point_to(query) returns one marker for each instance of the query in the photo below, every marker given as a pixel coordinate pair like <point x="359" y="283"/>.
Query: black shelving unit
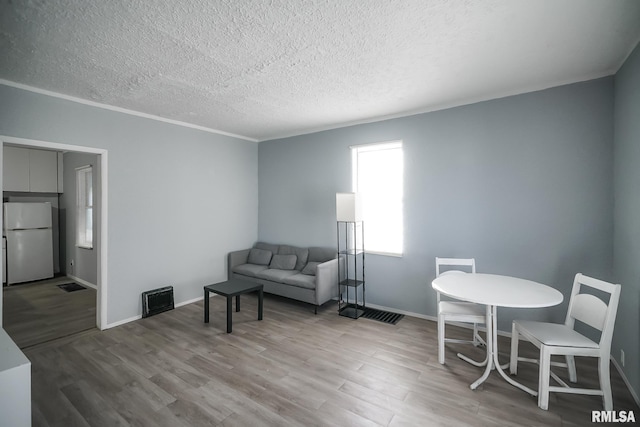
<point x="351" y="280"/>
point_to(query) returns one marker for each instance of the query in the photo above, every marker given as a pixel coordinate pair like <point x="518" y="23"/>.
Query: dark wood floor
<point x="38" y="312"/>
<point x="291" y="369"/>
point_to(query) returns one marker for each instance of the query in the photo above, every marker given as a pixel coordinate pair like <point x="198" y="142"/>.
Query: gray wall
<point x="85" y="261"/>
<point x="524" y="184"/>
<point x="626" y="215"/>
<point x="179" y="199"/>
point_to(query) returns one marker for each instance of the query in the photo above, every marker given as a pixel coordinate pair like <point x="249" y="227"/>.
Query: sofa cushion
<point x="283" y="262"/>
<point x="310" y="268"/>
<point x="301" y="281"/>
<point x="250" y="270"/>
<point x="301" y="253"/>
<point x="259" y="256"/>
<point x="276" y="275"/>
<point x="267" y="247"/>
<point x="322" y="254"/>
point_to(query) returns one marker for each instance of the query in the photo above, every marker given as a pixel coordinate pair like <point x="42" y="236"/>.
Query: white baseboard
<point x="406" y="313"/>
<point x="626" y="381"/>
<point x="180" y="304"/>
<point x="433" y="318"/>
<point x="123" y="321"/>
<point x="82" y="281"/>
<point x="139" y="316"/>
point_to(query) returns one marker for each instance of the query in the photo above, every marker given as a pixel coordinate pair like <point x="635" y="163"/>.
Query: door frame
<point x="102" y="154"/>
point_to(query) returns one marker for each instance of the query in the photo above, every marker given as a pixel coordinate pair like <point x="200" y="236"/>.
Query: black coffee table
<point x="232" y="288"/>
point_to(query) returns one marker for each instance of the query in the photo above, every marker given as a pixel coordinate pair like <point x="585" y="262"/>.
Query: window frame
<point x="84" y="207"/>
<point x="379" y="146"/>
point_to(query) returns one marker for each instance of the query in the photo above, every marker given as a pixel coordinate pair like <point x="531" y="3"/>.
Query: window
<point x="378" y="171"/>
<point x="84" y="207"/>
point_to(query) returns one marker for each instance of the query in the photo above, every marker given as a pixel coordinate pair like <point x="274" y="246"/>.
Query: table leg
<point x="229" y="313"/>
<point x="497" y="363"/>
<point x="237" y="302"/>
<point x="206" y="306"/>
<point x="490" y="348"/>
<point x="474" y="362"/>
<point x="260" y="295"/>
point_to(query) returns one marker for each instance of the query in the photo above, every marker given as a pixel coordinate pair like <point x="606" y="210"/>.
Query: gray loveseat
<point x="304" y="274"/>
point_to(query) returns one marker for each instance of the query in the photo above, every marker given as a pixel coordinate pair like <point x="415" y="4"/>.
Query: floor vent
<point x="157" y="300"/>
<point x="382" y="316"/>
<point x="71" y="287"/>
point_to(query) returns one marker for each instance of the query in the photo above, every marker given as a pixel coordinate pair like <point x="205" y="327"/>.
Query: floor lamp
<point x="350" y="234"/>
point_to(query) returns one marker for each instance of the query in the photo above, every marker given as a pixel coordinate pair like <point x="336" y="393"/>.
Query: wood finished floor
<point x="291" y="369"/>
<point x="37" y="312"/>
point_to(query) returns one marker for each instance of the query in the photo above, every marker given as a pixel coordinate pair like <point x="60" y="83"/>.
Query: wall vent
<point x="157" y="300"/>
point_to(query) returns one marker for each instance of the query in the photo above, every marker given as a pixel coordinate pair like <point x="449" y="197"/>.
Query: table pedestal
<point x="491" y="362"/>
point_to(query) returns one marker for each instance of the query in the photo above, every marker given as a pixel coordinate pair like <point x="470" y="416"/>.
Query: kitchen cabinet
<point x="15" y="168"/>
<point x="31" y="170"/>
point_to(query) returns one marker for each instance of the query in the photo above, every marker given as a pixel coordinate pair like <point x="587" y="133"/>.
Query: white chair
<point x="458" y="311"/>
<point x="562" y="339"/>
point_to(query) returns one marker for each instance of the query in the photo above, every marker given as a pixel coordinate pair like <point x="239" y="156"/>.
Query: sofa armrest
<point x="236" y="258"/>
<point x="326" y="281"/>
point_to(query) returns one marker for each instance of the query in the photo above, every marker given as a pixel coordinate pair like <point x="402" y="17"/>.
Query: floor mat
<point x="382" y="316"/>
<point x="71" y="287"/>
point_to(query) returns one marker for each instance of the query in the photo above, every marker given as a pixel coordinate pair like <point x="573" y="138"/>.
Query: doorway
<point x="100" y="247"/>
<point x="45" y="310"/>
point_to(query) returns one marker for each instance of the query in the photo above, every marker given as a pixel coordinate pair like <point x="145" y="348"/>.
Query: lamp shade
<point x="348" y="207"/>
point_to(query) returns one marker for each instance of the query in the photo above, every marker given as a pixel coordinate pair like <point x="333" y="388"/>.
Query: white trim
<point x="81" y="206"/>
<point x="626" y="381"/>
<point x="433" y="318"/>
<point x="101" y="303"/>
<point x="122" y="322"/>
<point x="50" y="145"/>
<point x="191" y="301"/>
<point x="139" y="316"/>
<point x="82" y="281"/>
<point x="103" y="233"/>
<point x="391" y="254"/>
<point x="406" y="313"/>
<point x="378" y="146"/>
<point x="121" y="110"/>
<point x="3" y="260"/>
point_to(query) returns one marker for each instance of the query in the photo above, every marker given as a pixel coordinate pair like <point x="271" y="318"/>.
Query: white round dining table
<point x="496" y="291"/>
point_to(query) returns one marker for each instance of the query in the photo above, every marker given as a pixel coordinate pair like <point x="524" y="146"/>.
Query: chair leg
<point x="513" y="363"/>
<point x="476" y="342"/>
<point x="605" y="382"/>
<point x="571" y="367"/>
<point x="441" y="340"/>
<point x="543" y="378"/>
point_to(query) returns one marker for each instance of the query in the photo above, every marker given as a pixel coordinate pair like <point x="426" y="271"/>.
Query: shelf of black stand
<point x="352" y="252"/>
<point x="352" y="310"/>
<point x="351" y="286"/>
<point x="352" y="283"/>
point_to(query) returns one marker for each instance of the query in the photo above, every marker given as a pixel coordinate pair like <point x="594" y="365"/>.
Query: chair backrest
<point x="468" y="263"/>
<point x="592" y="310"/>
<point x="455" y="262"/>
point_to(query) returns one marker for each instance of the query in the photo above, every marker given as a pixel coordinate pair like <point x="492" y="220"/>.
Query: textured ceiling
<point x="266" y="69"/>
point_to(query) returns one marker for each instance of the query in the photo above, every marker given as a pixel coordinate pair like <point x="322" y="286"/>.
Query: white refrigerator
<point x="27" y="227"/>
